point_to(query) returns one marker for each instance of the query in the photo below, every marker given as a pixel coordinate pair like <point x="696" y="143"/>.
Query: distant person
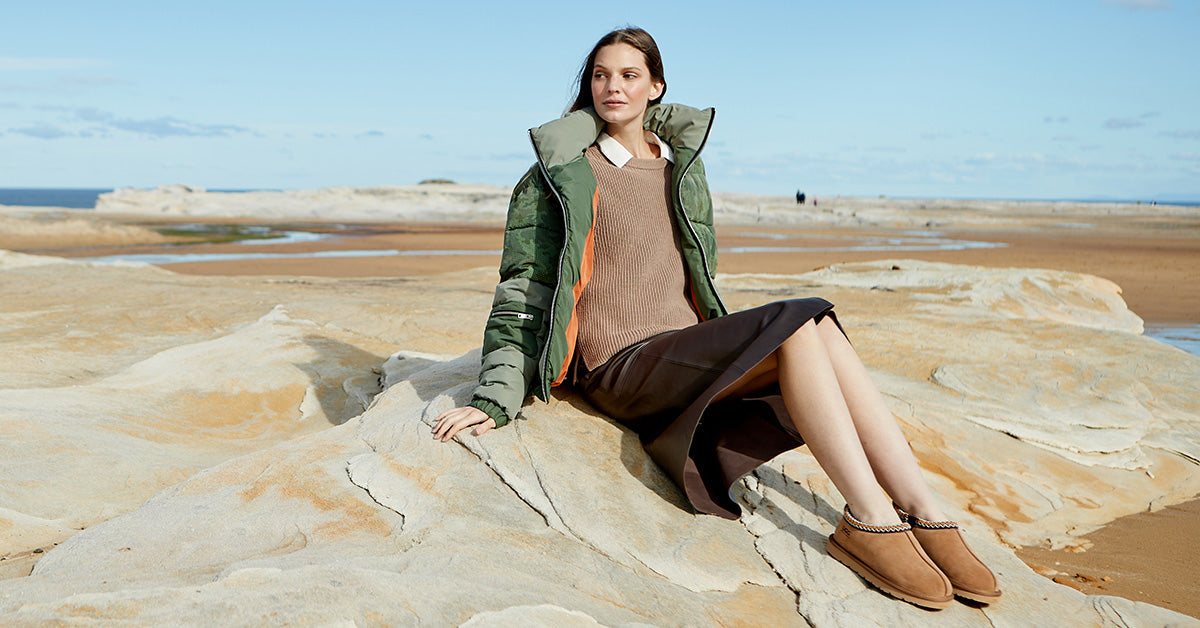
<point x="607" y="284"/>
<point x="814" y="201"/>
<point x="799" y="197"/>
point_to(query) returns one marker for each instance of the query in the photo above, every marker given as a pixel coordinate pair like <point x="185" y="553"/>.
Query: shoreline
<point x="1138" y="557"/>
<point x="1152" y="259"/>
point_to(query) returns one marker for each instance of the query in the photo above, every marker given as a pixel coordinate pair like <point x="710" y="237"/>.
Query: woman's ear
<point x="656" y="89"/>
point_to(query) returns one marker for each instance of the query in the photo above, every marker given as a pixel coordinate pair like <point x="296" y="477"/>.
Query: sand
<point x="1149" y="557"/>
<point x="1153" y="260"/>
<point x="1140" y="557"/>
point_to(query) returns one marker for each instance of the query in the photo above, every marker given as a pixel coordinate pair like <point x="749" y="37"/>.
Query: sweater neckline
<point x="655" y="163"/>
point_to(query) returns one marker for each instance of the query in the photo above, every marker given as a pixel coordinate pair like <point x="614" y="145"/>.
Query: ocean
<point x="84" y="198"/>
<point x="74" y="198"/>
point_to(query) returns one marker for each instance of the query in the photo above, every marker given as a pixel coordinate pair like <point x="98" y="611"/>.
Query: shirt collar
<point x="619" y="155"/>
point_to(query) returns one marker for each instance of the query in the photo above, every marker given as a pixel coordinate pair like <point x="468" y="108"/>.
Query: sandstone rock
<point x="46" y="230"/>
<point x="431" y="202"/>
<point x="272" y="510"/>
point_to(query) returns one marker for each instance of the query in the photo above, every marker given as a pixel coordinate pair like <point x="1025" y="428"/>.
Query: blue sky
<point x="1064" y="99"/>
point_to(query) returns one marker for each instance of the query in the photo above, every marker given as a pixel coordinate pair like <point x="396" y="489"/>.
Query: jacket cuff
<point x="496" y="412"/>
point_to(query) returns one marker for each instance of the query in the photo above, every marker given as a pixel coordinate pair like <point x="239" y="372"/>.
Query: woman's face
<point x="621" y="84"/>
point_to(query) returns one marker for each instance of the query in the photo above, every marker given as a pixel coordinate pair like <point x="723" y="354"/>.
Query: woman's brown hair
<point x="633" y="36"/>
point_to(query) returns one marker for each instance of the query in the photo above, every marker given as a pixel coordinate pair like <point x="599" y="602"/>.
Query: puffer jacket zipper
<point x="544" y="360"/>
<point x="691" y="229"/>
<point x="521" y="315"/>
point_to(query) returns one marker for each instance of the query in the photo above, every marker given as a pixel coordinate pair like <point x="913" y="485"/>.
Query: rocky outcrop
<point x="489" y="203"/>
<point x="428" y="202"/>
<point x="735" y="208"/>
<point x="64" y="228"/>
<point x="251" y="451"/>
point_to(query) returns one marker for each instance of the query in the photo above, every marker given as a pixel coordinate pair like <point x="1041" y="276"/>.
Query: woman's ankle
<point x="928" y="511"/>
<point x="874" y="516"/>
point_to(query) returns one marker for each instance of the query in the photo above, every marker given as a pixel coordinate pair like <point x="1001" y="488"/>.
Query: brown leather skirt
<point x="663" y="389"/>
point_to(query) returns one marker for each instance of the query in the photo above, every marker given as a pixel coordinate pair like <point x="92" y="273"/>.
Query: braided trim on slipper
<point x="924" y="523"/>
<point x="866" y="527"/>
<point x="932" y="525"/>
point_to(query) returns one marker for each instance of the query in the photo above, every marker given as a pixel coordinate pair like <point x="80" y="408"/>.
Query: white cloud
<point x="1123" y="123"/>
<point x="101" y="122"/>
<point x="163" y="126"/>
<point x="84" y="80"/>
<point x="1025" y="162"/>
<point x="45" y="64"/>
<point x="1139" y="5"/>
<point x="981" y="159"/>
<point x="167" y="126"/>
<point x="42" y="131"/>
<point x="62" y="84"/>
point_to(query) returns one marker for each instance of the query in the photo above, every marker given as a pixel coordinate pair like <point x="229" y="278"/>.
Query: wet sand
<point x="1153" y="260"/>
<point x="1149" y="557"/>
<point x="1142" y="557"/>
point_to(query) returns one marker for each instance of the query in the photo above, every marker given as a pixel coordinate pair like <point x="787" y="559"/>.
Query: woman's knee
<point x="830" y="331"/>
<point x="804" y="335"/>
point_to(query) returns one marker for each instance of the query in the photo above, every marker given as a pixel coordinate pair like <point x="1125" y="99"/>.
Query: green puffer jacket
<point x="530" y="336"/>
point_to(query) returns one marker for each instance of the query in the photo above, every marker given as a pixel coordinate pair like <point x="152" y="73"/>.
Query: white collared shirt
<point x="619" y="155"/>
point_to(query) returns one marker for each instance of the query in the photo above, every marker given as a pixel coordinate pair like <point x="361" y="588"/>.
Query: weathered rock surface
<point x="430" y="202"/>
<point x="52" y="228"/>
<point x="223" y="443"/>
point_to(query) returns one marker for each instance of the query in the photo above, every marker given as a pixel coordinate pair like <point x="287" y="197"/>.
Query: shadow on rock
<point x="342" y="398"/>
<point x="633" y="455"/>
<point x="785" y="488"/>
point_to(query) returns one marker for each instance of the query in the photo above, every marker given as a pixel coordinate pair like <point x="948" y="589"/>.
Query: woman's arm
<point x="515" y="331"/>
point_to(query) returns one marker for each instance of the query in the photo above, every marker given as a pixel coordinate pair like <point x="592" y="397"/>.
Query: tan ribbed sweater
<point x="639" y="286"/>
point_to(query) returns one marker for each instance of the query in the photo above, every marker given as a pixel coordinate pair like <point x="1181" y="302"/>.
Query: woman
<point x="606" y="278"/>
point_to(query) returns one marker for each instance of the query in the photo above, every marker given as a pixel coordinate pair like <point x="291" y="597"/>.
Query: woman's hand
<point x="454" y="421"/>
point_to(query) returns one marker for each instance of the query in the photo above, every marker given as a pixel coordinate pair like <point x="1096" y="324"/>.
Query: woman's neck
<point x="633" y="138"/>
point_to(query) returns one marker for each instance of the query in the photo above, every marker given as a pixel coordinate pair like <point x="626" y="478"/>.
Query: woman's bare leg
<point x="811" y="392"/>
<point x="856" y="440"/>
<point x="845" y="422"/>
<point x="888" y="451"/>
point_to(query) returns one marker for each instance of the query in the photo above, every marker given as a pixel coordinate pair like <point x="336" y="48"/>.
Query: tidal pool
<point x="163" y="259"/>
<point x="1186" y="337"/>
